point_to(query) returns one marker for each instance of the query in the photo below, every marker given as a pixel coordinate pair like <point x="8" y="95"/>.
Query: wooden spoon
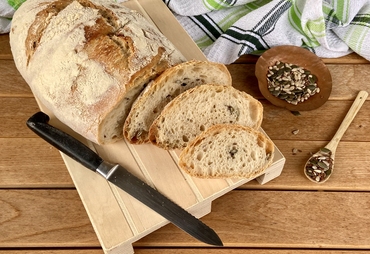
<point x="320" y="165"/>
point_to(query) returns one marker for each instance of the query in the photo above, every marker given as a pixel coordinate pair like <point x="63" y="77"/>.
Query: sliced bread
<point x="227" y="151"/>
<point x="167" y="86"/>
<point x="199" y="108"/>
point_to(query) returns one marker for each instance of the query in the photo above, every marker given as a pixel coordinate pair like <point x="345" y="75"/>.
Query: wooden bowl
<point x="303" y="58"/>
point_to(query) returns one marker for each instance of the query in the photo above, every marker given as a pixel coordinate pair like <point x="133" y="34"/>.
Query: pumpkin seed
<point x="283" y="96"/>
<point x="325" y="150"/>
<point x="311" y="87"/>
<point x="322" y="165"/>
<point x="328" y="172"/>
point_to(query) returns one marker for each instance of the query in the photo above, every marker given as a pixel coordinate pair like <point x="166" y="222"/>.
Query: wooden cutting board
<point x="117" y="218"/>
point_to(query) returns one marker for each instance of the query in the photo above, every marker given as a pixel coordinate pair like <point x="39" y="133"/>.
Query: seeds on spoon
<point x="291" y="82"/>
<point x="320" y="165"/>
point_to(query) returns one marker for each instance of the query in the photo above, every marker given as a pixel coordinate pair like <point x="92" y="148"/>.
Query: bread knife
<point x="123" y="179"/>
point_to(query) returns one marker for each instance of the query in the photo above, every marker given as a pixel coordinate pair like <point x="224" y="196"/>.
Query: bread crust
<point x="189" y="164"/>
<point x="166" y="87"/>
<point x="88" y="60"/>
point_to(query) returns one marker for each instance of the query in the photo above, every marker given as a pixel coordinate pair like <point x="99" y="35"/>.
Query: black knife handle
<point x="64" y="142"/>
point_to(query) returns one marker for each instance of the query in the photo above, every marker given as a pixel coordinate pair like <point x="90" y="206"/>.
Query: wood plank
<point x="31" y="163"/>
<point x="352" y="58"/>
<point x="56" y="218"/>
<point x="351" y="170"/>
<point x="241" y="251"/>
<point x="52" y="251"/>
<point x="18" y="168"/>
<point x="11" y="82"/>
<point x="244" y="79"/>
<point x="282" y="219"/>
<point x="320" y="124"/>
<point x="348" y="80"/>
<point x="14" y="112"/>
<point x="5" y="52"/>
<point x="189" y="251"/>
<point x="44" y="218"/>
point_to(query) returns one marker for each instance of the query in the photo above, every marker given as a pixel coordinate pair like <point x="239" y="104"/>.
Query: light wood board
<point x="117" y="218"/>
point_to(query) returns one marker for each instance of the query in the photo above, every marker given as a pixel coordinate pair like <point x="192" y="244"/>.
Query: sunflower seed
<point x="295" y="132"/>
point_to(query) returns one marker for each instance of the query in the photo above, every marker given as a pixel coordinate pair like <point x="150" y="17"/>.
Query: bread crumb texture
<point x="87" y="60"/>
<point x="197" y="109"/>
<point x="227" y="151"/>
<point x="165" y="88"/>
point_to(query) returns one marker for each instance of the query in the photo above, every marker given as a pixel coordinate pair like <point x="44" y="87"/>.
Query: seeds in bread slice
<point x="167" y="86"/>
<point x="199" y="108"/>
<point x="228" y="151"/>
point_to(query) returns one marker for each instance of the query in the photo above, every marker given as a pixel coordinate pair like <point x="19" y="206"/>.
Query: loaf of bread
<point x="227" y="151"/>
<point x="199" y="108"/>
<point x="88" y="60"/>
<point x="163" y="89"/>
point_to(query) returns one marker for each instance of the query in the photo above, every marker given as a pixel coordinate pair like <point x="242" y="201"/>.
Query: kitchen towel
<point x="7" y="9"/>
<point x="227" y="29"/>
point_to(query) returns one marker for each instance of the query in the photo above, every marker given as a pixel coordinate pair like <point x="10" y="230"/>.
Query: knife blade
<point x="122" y="178"/>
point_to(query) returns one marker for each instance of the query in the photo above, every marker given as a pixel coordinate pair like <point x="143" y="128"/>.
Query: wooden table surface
<point x="41" y="211"/>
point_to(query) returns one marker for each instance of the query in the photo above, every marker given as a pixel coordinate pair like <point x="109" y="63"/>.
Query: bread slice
<point x="228" y="151"/>
<point x="167" y="86"/>
<point x="199" y="108"/>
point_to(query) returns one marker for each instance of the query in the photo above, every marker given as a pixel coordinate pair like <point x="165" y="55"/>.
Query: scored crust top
<point x="82" y="57"/>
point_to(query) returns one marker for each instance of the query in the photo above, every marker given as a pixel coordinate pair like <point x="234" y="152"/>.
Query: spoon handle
<point x="359" y="101"/>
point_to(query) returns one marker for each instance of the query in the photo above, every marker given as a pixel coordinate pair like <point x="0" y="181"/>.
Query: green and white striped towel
<point x="7" y="9"/>
<point x="227" y="29"/>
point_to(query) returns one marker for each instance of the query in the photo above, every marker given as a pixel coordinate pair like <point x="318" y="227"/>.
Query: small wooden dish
<point x="303" y="58"/>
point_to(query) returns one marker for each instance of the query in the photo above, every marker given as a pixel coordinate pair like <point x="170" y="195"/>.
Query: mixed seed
<point x="291" y="82"/>
<point x="295" y="151"/>
<point x="319" y="167"/>
<point x="295" y="131"/>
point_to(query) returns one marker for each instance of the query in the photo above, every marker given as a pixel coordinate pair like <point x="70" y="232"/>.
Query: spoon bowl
<point x="319" y="167"/>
